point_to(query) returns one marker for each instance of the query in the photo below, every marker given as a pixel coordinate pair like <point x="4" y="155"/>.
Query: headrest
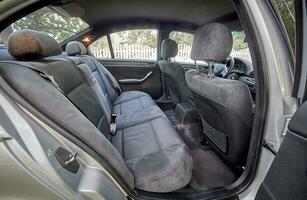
<point x="212" y="42"/>
<point x="169" y="48"/>
<point x="75" y="48"/>
<point x="29" y="44"/>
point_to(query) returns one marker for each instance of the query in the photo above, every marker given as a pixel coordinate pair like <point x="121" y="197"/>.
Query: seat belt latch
<point x="113" y="124"/>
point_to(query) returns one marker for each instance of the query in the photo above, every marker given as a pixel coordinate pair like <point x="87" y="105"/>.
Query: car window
<point x="130" y="44"/>
<point x="286" y="9"/>
<point x="135" y="44"/>
<point x="100" y="48"/>
<point x="184" y="41"/>
<point x="240" y="48"/>
<point x="48" y="20"/>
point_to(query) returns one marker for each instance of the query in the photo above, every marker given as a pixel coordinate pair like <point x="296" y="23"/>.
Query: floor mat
<point x="209" y="171"/>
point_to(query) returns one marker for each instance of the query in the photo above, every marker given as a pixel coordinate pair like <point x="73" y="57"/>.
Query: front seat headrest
<point x="212" y="42"/>
<point x="30" y="44"/>
<point x="169" y="48"/>
<point x="75" y="48"/>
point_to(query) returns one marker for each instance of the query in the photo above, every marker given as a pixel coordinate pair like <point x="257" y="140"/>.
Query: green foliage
<point x="238" y="41"/>
<point x="182" y="38"/>
<point x="139" y="36"/>
<point x="45" y="19"/>
<point x="286" y="10"/>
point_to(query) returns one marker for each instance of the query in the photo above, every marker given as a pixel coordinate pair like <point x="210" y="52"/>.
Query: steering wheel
<point x="230" y="63"/>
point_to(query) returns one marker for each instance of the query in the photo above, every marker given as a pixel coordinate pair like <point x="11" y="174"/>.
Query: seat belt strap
<point x="87" y="76"/>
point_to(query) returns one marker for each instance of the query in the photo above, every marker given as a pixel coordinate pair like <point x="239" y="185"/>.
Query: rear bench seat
<point x="131" y="107"/>
<point x="148" y="155"/>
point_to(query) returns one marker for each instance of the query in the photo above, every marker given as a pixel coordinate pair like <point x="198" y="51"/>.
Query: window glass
<point x="240" y="48"/>
<point x="135" y="44"/>
<point x="286" y="9"/>
<point x="100" y="48"/>
<point x="48" y="20"/>
<point x="184" y="41"/>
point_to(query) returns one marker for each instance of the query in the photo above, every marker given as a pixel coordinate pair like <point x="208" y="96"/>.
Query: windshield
<point x="48" y="20"/>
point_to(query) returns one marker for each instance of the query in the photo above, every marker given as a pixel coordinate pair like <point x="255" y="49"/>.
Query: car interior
<point x="160" y="125"/>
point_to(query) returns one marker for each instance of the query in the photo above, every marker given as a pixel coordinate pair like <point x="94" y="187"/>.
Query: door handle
<point x="133" y="81"/>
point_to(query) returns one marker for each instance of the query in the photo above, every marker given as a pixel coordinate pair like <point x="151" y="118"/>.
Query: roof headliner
<point x="107" y="15"/>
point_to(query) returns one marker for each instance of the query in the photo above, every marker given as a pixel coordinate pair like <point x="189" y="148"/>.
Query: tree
<point x="58" y="26"/>
<point x="4" y="35"/>
<point x="182" y="38"/>
<point x="139" y="36"/>
<point x="238" y="41"/>
<point x="286" y="10"/>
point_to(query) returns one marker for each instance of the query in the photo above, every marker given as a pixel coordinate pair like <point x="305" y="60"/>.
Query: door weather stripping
<point x="266" y="144"/>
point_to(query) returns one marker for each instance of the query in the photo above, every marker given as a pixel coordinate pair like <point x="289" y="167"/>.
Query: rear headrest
<point x="169" y="48"/>
<point x="75" y="48"/>
<point x="212" y="42"/>
<point x="29" y="44"/>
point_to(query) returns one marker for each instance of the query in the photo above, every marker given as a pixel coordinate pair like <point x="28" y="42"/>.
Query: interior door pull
<point x="133" y="81"/>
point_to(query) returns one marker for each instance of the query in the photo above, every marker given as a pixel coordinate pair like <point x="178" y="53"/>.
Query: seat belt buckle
<point x="113" y="128"/>
<point x="113" y="124"/>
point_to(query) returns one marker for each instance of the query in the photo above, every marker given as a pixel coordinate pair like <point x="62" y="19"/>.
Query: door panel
<point x="287" y="176"/>
<point x="136" y="70"/>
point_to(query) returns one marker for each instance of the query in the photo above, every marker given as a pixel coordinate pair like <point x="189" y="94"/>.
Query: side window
<point x="286" y="10"/>
<point x="135" y="44"/>
<point x="100" y="48"/>
<point x="184" y="41"/>
<point x="59" y="26"/>
<point x="240" y="48"/>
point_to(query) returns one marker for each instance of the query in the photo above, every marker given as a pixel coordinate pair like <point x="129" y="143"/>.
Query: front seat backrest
<point x="173" y="73"/>
<point x="225" y="105"/>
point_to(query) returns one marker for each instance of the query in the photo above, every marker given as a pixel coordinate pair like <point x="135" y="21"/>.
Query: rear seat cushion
<point x="49" y="101"/>
<point x="150" y="155"/>
<point x="138" y="117"/>
<point x="132" y="101"/>
<point x="125" y="102"/>
<point x="157" y="156"/>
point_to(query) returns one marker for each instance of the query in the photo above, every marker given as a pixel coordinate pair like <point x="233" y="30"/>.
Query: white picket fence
<point x="134" y="51"/>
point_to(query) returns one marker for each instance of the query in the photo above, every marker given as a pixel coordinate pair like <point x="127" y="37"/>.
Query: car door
<point x="287" y="176"/>
<point x="131" y="57"/>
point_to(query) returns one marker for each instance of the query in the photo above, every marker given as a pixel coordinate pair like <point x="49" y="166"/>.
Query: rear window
<point x="138" y="44"/>
<point x="60" y="27"/>
<point x="184" y="40"/>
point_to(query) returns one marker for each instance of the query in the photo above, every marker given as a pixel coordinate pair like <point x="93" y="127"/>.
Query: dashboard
<point x="242" y="70"/>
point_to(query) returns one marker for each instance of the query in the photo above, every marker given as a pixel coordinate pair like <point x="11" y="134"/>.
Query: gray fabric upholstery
<point x="48" y="100"/>
<point x="226" y="109"/>
<point x="131" y="102"/>
<point x="173" y="73"/>
<point x="145" y="152"/>
<point x="169" y="48"/>
<point x="225" y="105"/>
<point x="139" y="119"/>
<point x="29" y="44"/>
<point x="174" y="81"/>
<point x="212" y="42"/>
<point x="75" y="48"/>
<point x="156" y="154"/>
<point x="225" y="91"/>
<point x="134" y="118"/>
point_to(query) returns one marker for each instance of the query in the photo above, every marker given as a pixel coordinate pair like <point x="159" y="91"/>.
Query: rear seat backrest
<point x="155" y="158"/>
<point x="32" y="47"/>
<point x="105" y="79"/>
